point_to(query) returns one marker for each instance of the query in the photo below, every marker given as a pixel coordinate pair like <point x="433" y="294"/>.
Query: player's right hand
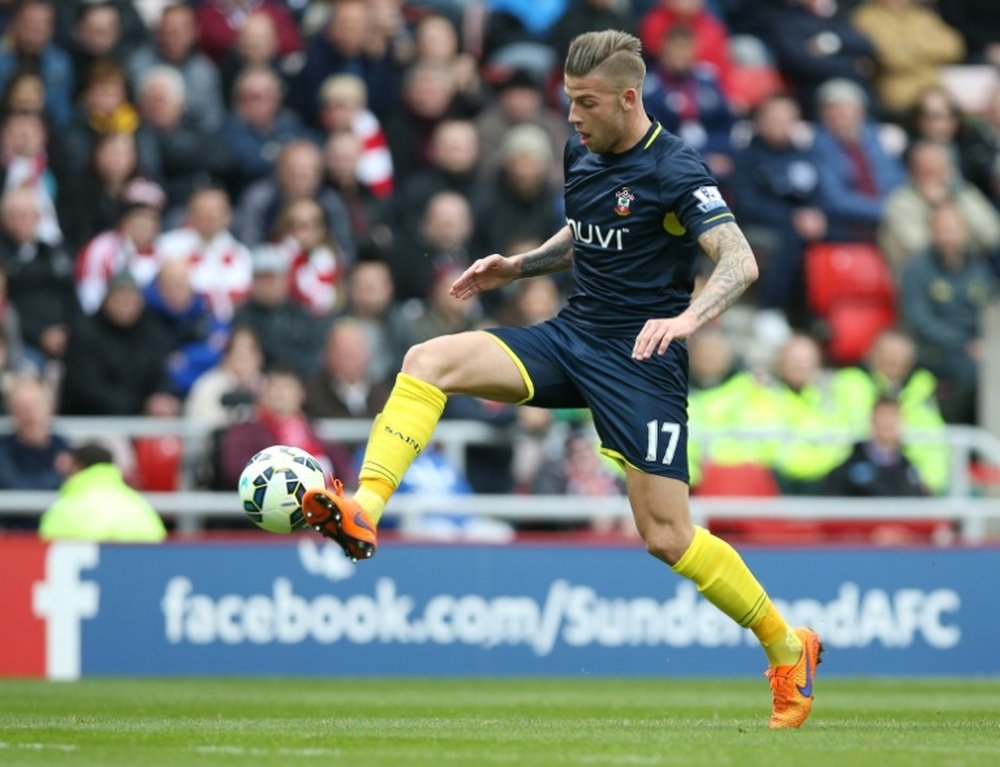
<point x="488" y="273"/>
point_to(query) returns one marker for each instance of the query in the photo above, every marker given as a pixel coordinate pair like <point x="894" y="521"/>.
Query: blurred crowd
<point x="243" y="212"/>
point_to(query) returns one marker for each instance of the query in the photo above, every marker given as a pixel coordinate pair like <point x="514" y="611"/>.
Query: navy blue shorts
<point x="639" y="408"/>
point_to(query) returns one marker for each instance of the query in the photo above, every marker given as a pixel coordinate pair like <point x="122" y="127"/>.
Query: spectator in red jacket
<point x="221" y="20"/>
<point x="710" y="36"/>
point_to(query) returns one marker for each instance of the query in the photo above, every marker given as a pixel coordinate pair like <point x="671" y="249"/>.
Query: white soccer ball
<point x="273" y="483"/>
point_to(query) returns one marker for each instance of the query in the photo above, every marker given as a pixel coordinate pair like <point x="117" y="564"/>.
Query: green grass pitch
<point x="410" y="723"/>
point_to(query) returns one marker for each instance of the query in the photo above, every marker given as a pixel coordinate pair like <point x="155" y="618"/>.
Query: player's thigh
<point x="470" y="363"/>
<point x="662" y="513"/>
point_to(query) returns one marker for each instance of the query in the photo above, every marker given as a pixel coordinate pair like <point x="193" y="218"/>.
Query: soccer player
<point x="639" y="204"/>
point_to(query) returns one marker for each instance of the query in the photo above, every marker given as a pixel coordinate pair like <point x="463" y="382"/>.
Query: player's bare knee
<point x="666" y="542"/>
<point x="430" y="361"/>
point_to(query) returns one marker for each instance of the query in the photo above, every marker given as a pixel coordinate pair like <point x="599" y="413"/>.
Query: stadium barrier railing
<point x="190" y="508"/>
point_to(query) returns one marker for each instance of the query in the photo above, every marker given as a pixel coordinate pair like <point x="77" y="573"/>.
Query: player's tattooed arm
<point x="554" y="255"/>
<point x="735" y="270"/>
<point x="494" y="271"/>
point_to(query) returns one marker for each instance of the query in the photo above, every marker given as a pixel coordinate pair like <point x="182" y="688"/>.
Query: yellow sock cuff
<point x="370" y="497"/>
<point x="427" y="393"/>
<point x="400" y="433"/>
<point x="723" y="578"/>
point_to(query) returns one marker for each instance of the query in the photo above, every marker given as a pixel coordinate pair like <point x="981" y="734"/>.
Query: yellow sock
<point x="781" y="645"/>
<point x="400" y="433"/>
<point x="723" y="578"/>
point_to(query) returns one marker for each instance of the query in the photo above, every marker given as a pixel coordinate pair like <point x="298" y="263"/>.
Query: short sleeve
<point x="690" y="192"/>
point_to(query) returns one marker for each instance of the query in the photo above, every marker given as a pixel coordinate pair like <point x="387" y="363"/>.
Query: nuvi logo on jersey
<point x="623" y="201"/>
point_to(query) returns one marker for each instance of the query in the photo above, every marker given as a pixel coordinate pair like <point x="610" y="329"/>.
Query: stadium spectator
<point x="39" y="277"/>
<point x="523" y="203"/>
<point x="685" y="96"/>
<point x="370" y="216"/>
<point x="776" y="192"/>
<point x="288" y="334"/>
<point x="936" y="117"/>
<point x="723" y="395"/>
<point x="942" y="293"/>
<point x="31" y="454"/>
<point x="24" y="165"/>
<point x="933" y="180"/>
<point x="445" y="239"/>
<point x="455" y="156"/>
<point x="134" y="31"/>
<point x="234" y="382"/>
<point x="890" y="371"/>
<point x="12" y="359"/>
<point x="442" y="313"/>
<point x="370" y="302"/>
<point x="194" y="336"/>
<point x="189" y="156"/>
<point x="877" y="466"/>
<point x="427" y="100"/>
<point x="800" y="401"/>
<point x="117" y="359"/>
<point x="315" y="263"/>
<point x="130" y="246"/>
<point x="104" y="108"/>
<point x="579" y="470"/>
<point x="175" y="45"/>
<point x="905" y="70"/>
<point x="350" y="42"/>
<point x="95" y="504"/>
<point x="278" y="419"/>
<point x="24" y="92"/>
<point x="28" y="46"/>
<point x="814" y="42"/>
<point x="435" y="38"/>
<point x="97" y="36"/>
<point x="90" y="202"/>
<point x="298" y="175"/>
<point x="711" y="41"/>
<point x="344" y="386"/>
<point x="343" y="103"/>
<point x="258" y="127"/>
<point x="590" y="16"/>
<point x="220" y="265"/>
<point x="519" y="99"/>
<point x="221" y="20"/>
<point x="981" y="163"/>
<point x="256" y="46"/>
<point x="856" y="173"/>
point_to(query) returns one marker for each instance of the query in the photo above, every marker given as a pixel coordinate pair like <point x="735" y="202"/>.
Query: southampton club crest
<point x="623" y="201"/>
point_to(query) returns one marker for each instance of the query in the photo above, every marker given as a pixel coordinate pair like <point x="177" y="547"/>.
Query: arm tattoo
<point x="555" y="255"/>
<point x="735" y="269"/>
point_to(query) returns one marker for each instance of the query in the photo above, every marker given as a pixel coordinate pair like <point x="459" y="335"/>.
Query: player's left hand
<point x="656" y="335"/>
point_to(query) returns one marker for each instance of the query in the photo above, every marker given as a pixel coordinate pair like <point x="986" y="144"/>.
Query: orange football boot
<point x="792" y="686"/>
<point x="340" y="519"/>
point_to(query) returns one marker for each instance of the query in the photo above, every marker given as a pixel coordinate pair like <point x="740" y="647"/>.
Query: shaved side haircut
<point x="611" y="54"/>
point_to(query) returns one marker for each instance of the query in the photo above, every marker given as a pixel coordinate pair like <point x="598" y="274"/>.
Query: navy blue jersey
<point x="635" y="218"/>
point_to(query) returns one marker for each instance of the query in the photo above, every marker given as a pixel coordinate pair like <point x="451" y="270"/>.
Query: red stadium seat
<point x="158" y="463"/>
<point x="747" y="85"/>
<point x="850" y="286"/>
<point x="853" y="327"/>
<point x="744" y="479"/>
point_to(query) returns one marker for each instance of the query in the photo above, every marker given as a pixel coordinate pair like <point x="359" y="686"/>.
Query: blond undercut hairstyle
<point x="610" y="53"/>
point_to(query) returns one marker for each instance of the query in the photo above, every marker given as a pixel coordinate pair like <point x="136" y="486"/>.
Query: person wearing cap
<point x="519" y="99"/>
<point x="288" y="334"/>
<point x="524" y="204"/>
<point x="116" y="360"/>
<point x="856" y="172"/>
<point x="95" y="504"/>
<point x="130" y="246"/>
